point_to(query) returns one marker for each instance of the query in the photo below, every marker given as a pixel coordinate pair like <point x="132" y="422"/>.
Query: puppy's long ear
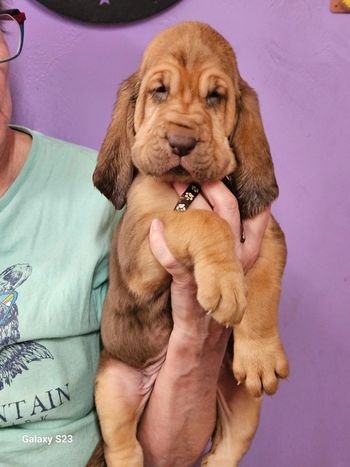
<point x="254" y="178"/>
<point x="114" y="170"/>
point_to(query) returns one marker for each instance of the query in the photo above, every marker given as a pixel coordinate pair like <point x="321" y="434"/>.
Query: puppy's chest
<point x="147" y="195"/>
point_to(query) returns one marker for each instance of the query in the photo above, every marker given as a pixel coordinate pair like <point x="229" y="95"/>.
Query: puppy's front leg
<point x="204" y="243"/>
<point x="259" y="358"/>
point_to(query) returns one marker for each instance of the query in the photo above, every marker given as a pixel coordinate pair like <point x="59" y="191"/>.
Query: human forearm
<point x="181" y="412"/>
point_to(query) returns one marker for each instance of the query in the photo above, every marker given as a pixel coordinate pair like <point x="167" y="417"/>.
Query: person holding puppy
<point x="55" y="231"/>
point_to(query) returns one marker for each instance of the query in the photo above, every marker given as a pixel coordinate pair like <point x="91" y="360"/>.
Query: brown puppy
<point x="187" y="115"/>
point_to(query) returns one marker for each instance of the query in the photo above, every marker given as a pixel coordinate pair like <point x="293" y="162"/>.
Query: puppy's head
<point x="187" y="115"/>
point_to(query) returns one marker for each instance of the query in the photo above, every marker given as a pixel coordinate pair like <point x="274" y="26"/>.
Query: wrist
<point x="197" y="343"/>
<point x="200" y="330"/>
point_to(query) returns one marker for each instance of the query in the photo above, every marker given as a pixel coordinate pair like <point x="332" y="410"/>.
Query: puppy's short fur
<point x="187" y="115"/>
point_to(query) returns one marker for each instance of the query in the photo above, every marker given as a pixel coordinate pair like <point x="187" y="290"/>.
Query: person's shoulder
<point x="65" y="149"/>
<point x="71" y="167"/>
<point x="68" y="168"/>
<point x="58" y="152"/>
<point x="69" y="162"/>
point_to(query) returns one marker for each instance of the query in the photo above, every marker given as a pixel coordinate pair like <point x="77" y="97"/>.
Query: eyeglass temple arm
<point x="19" y="16"/>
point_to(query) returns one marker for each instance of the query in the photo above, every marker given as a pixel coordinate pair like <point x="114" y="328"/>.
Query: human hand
<point x="187" y="313"/>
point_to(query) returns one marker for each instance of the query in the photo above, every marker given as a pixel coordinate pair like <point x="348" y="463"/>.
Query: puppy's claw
<point x="209" y="312"/>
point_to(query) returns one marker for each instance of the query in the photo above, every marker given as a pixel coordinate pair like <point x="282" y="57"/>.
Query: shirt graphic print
<point x="15" y="356"/>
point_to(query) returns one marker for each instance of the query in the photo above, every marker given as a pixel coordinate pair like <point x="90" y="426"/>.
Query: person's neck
<point x="12" y="157"/>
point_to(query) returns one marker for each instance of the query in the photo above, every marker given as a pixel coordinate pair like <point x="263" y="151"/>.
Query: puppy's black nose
<point x="181" y="145"/>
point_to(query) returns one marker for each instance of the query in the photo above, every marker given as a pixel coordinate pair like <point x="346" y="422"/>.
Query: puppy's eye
<point x="214" y="98"/>
<point x="160" y="93"/>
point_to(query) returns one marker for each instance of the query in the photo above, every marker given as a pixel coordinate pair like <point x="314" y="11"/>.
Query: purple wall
<point x="297" y="56"/>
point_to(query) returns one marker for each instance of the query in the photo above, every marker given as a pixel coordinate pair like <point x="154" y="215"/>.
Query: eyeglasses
<point x="11" y="39"/>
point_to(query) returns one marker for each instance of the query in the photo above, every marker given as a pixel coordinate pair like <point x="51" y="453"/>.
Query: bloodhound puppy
<point x="187" y="115"/>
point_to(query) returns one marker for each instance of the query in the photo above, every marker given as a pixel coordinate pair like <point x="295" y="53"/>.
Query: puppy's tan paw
<point x="222" y="294"/>
<point x="259" y="363"/>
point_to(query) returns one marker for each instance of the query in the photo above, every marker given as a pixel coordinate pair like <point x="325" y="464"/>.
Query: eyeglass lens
<point x="10" y="39"/>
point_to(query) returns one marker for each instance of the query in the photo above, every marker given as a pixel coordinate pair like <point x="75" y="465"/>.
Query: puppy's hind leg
<point x="121" y="395"/>
<point x="97" y="458"/>
<point x="237" y="420"/>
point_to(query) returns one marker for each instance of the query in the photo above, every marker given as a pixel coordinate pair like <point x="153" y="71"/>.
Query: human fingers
<point x="254" y="230"/>
<point x="255" y="227"/>
<point x="224" y="204"/>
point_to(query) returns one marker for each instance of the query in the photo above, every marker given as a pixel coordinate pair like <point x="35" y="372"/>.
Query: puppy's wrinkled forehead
<point x="190" y="45"/>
